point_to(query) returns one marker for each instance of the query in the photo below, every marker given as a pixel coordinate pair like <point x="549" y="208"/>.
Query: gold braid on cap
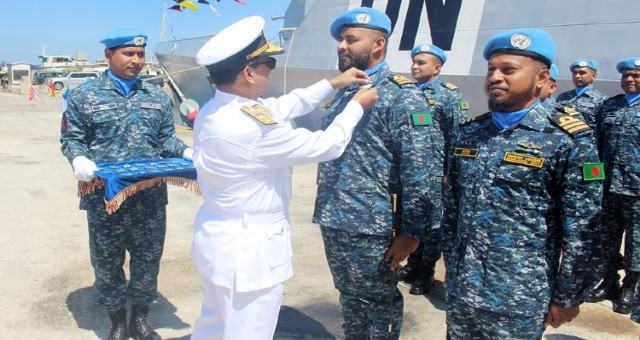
<point x="263" y="47"/>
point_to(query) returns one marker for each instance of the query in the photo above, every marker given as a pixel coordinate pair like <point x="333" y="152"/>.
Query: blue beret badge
<point x="138" y="41"/>
<point x="520" y="41"/>
<point x="363" y="18"/>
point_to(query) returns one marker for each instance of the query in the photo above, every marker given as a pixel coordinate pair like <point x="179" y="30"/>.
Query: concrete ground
<point x="47" y="280"/>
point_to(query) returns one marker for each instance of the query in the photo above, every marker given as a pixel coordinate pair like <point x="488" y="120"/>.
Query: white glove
<point x="83" y="168"/>
<point x="188" y="154"/>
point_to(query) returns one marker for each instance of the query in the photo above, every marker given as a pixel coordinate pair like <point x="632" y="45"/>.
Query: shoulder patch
<point x="401" y="80"/>
<point x="473" y="119"/>
<point x="259" y="112"/>
<point x="570" y="124"/>
<point x="449" y="86"/>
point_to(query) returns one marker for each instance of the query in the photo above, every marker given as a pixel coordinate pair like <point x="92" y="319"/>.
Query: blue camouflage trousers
<point x="365" y="282"/>
<point x="621" y="215"/>
<point x="635" y="310"/>
<point x="137" y="228"/>
<point x="466" y="323"/>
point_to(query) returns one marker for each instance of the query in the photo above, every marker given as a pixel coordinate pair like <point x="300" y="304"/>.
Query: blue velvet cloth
<point x="121" y="175"/>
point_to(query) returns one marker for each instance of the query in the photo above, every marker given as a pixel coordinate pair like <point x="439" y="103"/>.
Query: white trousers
<point x="231" y="315"/>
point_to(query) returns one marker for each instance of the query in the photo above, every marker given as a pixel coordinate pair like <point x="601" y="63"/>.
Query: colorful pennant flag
<point x="52" y="89"/>
<point x="240" y="2"/>
<point x="176" y="8"/>
<point x="66" y="92"/>
<point x="189" y="5"/>
<point x="203" y="2"/>
<point x="33" y="93"/>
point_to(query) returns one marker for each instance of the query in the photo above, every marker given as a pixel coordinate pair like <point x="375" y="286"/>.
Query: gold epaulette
<point x="401" y="80"/>
<point x="259" y="112"/>
<point x="569" y="111"/>
<point x="473" y="119"/>
<point x="570" y="124"/>
<point x="449" y="86"/>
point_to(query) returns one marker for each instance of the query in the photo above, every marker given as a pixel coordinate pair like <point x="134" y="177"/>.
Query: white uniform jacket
<point x="241" y="232"/>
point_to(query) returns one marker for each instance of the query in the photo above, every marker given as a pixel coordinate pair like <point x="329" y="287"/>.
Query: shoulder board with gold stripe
<point x="449" y="86"/>
<point x="568" y="110"/>
<point x="401" y="80"/>
<point x="260" y="113"/>
<point x="570" y="124"/>
<point x="473" y="119"/>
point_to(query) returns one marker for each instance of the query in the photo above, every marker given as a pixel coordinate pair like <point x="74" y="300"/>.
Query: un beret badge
<point x="636" y="62"/>
<point x="363" y="18"/>
<point x="582" y="63"/>
<point x="520" y="41"/>
<point x="424" y="48"/>
<point x="138" y="41"/>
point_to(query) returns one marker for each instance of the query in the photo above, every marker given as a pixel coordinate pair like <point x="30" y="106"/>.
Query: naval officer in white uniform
<point x="244" y="148"/>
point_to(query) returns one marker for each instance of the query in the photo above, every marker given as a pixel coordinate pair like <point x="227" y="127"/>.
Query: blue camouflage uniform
<point x="392" y="144"/>
<point x="587" y="104"/>
<point x="619" y="145"/>
<point x="449" y="109"/>
<point x="521" y="225"/>
<point x="105" y="126"/>
<point x="587" y="101"/>
<point x="517" y="198"/>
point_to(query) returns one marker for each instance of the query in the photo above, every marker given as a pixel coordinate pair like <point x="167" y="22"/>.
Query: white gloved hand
<point x="188" y="154"/>
<point x="83" y="168"/>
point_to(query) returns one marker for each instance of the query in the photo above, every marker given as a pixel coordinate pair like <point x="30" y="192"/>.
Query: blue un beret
<point x="124" y="37"/>
<point x="531" y="42"/>
<point x="361" y="17"/>
<point x="590" y="63"/>
<point x="629" y="63"/>
<point x="553" y="72"/>
<point x="429" y="49"/>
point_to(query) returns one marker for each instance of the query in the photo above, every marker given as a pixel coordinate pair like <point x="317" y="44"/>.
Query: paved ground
<point x="46" y="275"/>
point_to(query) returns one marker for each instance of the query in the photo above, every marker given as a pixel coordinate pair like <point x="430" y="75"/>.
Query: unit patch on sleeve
<point x="421" y="118"/>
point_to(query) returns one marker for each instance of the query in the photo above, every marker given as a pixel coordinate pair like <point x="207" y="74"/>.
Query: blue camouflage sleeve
<point x="581" y="265"/>
<point x="414" y="152"/>
<point x="73" y="131"/>
<point x="170" y="145"/>
<point x="451" y="208"/>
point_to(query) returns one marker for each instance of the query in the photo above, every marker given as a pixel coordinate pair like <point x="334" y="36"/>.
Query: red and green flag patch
<point x="593" y="172"/>
<point x="421" y="118"/>
<point x="464" y="105"/>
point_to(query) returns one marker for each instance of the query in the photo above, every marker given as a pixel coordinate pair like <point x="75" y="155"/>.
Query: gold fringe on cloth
<point x="112" y="205"/>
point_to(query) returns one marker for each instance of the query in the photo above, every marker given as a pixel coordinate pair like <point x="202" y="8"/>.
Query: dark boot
<point x="118" y="325"/>
<point x="608" y="289"/>
<point x="409" y="272"/>
<point x="624" y="303"/>
<point x="424" y="282"/>
<point x="139" y="327"/>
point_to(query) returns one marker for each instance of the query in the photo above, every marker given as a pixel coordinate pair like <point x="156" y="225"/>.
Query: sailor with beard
<point x="524" y="187"/>
<point x="392" y="152"/>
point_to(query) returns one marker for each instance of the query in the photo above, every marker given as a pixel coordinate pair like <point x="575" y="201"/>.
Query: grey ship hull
<point x="596" y="29"/>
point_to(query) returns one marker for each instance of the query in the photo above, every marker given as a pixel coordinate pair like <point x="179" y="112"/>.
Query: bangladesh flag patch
<point x="593" y="172"/>
<point x="464" y="105"/>
<point x="421" y="118"/>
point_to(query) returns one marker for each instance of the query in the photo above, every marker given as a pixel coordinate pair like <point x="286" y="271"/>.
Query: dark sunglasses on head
<point x="271" y="63"/>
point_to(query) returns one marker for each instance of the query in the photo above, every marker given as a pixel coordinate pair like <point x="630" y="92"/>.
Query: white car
<point x="73" y="79"/>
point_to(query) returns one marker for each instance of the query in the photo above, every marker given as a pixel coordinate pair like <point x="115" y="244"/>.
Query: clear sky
<point x="69" y="26"/>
